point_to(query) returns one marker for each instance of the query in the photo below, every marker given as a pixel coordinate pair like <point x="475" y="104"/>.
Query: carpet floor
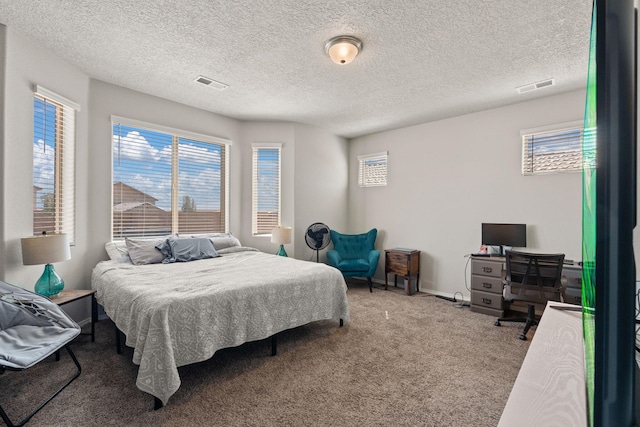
<point x="400" y="361"/>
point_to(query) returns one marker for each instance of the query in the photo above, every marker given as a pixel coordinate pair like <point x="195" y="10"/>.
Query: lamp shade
<point x="45" y="249"/>
<point x="281" y="235"/>
<point x="343" y="49"/>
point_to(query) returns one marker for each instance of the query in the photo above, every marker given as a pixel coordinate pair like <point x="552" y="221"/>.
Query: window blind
<point x="53" y="163"/>
<point x="372" y="169"/>
<point x="563" y="148"/>
<point x="265" y="188"/>
<point x="165" y="183"/>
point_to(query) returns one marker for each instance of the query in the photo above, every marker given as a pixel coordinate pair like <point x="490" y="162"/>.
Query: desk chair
<point x="533" y="279"/>
<point x="32" y="328"/>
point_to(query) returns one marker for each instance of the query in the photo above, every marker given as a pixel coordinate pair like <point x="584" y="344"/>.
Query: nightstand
<point x="402" y="262"/>
<point x="67" y="296"/>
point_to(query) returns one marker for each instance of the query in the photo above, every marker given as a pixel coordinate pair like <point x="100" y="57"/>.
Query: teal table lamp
<point x="46" y="249"/>
<point x="281" y="236"/>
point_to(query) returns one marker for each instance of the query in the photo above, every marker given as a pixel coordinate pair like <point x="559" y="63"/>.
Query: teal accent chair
<point x="354" y="254"/>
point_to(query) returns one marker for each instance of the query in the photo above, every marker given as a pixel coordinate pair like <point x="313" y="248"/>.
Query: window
<point x="53" y="163"/>
<point x="265" y="188"/>
<point x="557" y="148"/>
<point x="372" y="169"/>
<point x="167" y="181"/>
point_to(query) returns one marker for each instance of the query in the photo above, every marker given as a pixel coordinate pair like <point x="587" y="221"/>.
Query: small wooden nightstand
<point x="402" y="262"/>
<point x="67" y="296"/>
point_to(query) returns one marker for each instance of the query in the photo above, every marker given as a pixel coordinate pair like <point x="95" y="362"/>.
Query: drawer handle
<point x="486" y="300"/>
<point x="487" y="269"/>
<point x="578" y="280"/>
<point x="486" y="285"/>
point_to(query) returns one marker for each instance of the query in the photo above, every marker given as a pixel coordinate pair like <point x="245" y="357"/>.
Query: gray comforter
<point x="182" y="313"/>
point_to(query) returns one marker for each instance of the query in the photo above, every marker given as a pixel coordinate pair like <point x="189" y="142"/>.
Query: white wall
<point x="314" y="181"/>
<point x="321" y="184"/>
<point x="106" y="100"/>
<point x="445" y="178"/>
<point x="26" y="65"/>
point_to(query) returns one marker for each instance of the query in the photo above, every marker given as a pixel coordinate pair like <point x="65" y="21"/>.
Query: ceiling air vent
<point x="535" y="86"/>
<point x="211" y="83"/>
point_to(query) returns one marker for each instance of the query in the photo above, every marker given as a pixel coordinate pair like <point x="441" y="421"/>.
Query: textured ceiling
<point x="421" y="60"/>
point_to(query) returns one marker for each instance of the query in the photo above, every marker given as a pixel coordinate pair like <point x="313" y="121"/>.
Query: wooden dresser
<point x="402" y="262"/>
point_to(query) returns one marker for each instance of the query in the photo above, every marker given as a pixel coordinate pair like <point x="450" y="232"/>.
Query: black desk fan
<point x="317" y="237"/>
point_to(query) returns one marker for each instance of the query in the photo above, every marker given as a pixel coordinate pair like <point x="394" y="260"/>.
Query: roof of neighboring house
<point x="126" y="187"/>
<point x="123" y="207"/>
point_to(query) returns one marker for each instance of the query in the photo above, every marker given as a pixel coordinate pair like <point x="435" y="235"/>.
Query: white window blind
<point x="265" y="188"/>
<point x="53" y="163"/>
<point x="372" y="169"/>
<point x="167" y="183"/>
<point x="557" y="148"/>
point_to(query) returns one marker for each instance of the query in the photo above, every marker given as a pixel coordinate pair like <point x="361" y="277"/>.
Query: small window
<point x="265" y="188"/>
<point x="372" y="169"/>
<point x="53" y="163"/>
<point x="555" y="149"/>
<point x="167" y="181"/>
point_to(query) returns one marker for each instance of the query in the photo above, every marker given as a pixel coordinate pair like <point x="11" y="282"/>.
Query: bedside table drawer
<point x="486" y="268"/>
<point x="486" y="284"/>
<point x="487" y="299"/>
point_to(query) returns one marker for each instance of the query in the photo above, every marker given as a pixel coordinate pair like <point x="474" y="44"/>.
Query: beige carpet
<point x="401" y="361"/>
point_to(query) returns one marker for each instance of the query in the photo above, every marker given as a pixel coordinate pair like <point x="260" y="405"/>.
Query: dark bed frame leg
<point x="118" y="334"/>
<point x="157" y="403"/>
<point x="274" y="345"/>
<point x="341" y="323"/>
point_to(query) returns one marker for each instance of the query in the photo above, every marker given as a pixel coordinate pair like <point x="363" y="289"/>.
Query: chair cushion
<point x="354" y="265"/>
<point x="31" y="327"/>
<point x="354" y="246"/>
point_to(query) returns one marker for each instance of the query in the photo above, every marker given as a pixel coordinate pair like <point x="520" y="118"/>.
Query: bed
<point x="180" y="313"/>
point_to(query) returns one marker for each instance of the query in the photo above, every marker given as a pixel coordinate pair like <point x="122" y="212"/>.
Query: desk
<point x="67" y="296"/>
<point x="486" y="285"/>
<point x="403" y="262"/>
<point x="550" y="387"/>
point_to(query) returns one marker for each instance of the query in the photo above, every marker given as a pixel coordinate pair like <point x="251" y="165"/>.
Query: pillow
<point x="143" y="250"/>
<point x="186" y="249"/>
<point x="220" y="240"/>
<point x="117" y="249"/>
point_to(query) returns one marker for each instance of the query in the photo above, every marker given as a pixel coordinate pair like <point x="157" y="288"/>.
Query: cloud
<point x="44" y="161"/>
<point x="198" y="154"/>
<point x="134" y="146"/>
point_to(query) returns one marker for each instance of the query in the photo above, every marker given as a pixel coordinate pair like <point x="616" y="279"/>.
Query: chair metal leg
<point x="4" y="415"/>
<point x="370" y="284"/>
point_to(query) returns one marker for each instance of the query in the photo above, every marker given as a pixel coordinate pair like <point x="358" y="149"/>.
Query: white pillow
<point x="143" y="250"/>
<point x="117" y="249"/>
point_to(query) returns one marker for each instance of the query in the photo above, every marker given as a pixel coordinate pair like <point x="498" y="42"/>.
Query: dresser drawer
<point x="487" y="299"/>
<point x="488" y="311"/>
<point x="486" y="268"/>
<point x="486" y="284"/>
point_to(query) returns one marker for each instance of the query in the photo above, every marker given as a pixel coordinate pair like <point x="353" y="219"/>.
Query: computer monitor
<point x="504" y="235"/>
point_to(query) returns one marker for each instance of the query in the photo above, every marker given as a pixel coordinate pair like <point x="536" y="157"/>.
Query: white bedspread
<point x="182" y="313"/>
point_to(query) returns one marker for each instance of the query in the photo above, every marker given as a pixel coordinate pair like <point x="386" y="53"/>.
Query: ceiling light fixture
<point x="342" y="49"/>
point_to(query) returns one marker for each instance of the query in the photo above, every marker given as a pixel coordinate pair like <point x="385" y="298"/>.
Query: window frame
<point x="176" y="135"/>
<point x="367" y="179"/>
<point x="256" y="230"/>
<point x="574" y="145"/>
<point x="64" y="158"/>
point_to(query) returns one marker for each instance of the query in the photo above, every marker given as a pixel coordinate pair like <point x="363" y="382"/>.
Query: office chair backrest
<point x="534" y="277"/>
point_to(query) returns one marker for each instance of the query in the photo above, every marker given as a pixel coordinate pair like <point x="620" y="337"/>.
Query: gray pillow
<point x="186" y="249"/>
<point x="143" y="250"/>
<point x="220" y="240"/>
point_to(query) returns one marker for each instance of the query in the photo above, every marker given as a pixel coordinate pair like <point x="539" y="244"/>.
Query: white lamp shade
<point x="343" y="53"/>
<point x="281" y="235"/>
<point x="45" y="249"/>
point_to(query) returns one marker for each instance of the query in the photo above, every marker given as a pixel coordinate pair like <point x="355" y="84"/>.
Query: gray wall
<point x="447" y="177"/>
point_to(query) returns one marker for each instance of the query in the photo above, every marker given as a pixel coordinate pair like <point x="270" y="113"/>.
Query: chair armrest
<point x="333" y="258"/>
<point x="374" y="257"/>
